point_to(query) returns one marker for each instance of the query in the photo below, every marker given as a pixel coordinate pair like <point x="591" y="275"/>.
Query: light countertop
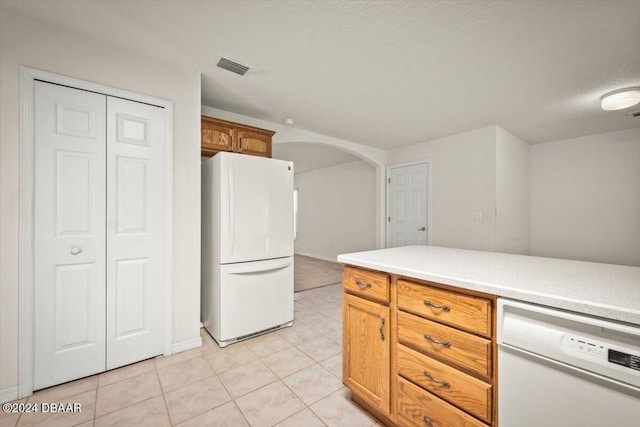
<point x="603" y="290"/>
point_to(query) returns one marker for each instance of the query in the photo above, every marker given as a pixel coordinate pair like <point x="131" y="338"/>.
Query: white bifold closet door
<point x="135" y="231"/>
<point x="99" y="233"/>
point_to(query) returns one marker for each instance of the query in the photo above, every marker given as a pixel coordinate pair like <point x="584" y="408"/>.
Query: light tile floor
<point x="288" y="378"/>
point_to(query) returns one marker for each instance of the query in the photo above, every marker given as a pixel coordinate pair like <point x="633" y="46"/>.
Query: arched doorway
<point x="337" y="209"/>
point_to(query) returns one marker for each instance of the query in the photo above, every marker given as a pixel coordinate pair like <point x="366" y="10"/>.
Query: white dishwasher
<point x="561" y="369"/>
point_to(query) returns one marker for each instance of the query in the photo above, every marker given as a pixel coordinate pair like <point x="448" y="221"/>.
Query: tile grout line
<point x="241" y="413"/>
<point x="302" y="410"/>
<point x="226" y="389"/>
<point x="95" y="403"/>
<point x="162" y="392"/>
<point x="126" y="405"/>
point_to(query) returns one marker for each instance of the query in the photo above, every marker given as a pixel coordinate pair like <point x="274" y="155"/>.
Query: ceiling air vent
<point x="635" y="114"/>
<point x="234" y="67"/>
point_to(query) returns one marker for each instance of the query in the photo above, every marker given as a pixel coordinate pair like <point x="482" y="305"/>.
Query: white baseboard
<point x="8" y="394"/>
<point x="324" y="258"/>
<point x="185" y="345"/>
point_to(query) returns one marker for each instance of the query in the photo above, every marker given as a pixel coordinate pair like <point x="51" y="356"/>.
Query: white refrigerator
<point x="247" y="246"/>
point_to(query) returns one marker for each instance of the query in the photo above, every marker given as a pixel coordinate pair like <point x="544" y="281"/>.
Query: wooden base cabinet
<point x="419" y="353"/>
<point x="366" y="352"/>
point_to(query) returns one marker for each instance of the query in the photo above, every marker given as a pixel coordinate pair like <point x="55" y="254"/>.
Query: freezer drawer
<point x="252" y="297"/>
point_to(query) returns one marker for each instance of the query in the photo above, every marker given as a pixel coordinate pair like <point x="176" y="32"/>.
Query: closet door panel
<point x="69" y="234"/>
<point x="135" y="231"/>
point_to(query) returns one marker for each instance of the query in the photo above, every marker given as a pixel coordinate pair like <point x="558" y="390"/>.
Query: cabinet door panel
<point x="366" y="348"/>
<point x="255" y="143"/>
<point x="216" y="137"/>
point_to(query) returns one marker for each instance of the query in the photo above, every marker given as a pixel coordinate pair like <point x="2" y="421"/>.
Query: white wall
<point x="585" y="198"/>
<point x="38" y="45"/>
<point x="463" y="180"/>
<point x="513" y="193"/>
<point x="336" y="210"/>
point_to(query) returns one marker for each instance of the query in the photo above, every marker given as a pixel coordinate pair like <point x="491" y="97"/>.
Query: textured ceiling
<point x="389" y="74"/>
<point x="308" y="157"/>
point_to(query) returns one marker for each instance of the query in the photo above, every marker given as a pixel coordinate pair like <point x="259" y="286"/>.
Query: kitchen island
<point x="603" y="290"/>
<point x="419" y="324"/>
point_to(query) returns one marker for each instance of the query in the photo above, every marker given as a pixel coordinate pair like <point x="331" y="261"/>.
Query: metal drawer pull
<point x="427" y="421"/>
<point x="381" y="329"/>
<point x="443" y="382"/>
<point x="362" y="284"/>
<point x="444" y="343"/>
<point x="443" y="307"/>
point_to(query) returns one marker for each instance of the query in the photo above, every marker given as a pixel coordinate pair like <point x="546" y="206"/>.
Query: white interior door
<point x="135" y="231"/>
<point x="69" y="234"/>
<point x="407" y="209"/>
<point x="98" y="233"/>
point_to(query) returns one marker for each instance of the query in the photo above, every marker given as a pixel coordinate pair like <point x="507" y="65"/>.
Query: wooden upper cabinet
<point x="255" y="143"/>
<point x="215" y="137"/>
<point x="221" y="135"/>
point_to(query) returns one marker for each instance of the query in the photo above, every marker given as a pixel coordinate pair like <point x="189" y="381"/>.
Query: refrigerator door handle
<point x="231" y="209"/>
<point x="267" y="266"/>
<point x="295" y="214"/>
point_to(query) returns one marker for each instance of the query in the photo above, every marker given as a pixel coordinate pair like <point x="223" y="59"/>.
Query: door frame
<point x="28" y="76"/>
<point x="388" y="197"/>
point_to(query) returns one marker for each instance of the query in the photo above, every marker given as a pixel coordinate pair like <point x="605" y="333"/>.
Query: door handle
<point x="443" y="307"/>
<point x="422" y="229"/>
<point x="250" y="269"/>
<point x="76" y="250"/>
<point x="442" y="343"/>
<point x="363" y="285"/>
<point x="443" y="382"/>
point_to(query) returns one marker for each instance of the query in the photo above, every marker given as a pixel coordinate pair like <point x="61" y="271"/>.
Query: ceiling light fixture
<point x="289" y="122"/>
<point x="620" y="99"/>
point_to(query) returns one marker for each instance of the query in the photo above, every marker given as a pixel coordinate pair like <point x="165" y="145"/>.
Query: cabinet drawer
<point x="366" y="283"/>
<point x="461" y="348"/>
<point x="462" y="390"/>
<point x="467" y="312"/>
<point x="417" y="407"/>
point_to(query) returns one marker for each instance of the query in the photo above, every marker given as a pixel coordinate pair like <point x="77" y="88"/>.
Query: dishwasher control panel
<point x="624" y="359"/>
<point x="589" y="348"/>
<point x="581" y="345"/>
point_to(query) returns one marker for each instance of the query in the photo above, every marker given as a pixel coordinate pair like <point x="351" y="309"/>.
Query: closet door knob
<point x="76" y="250"/>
